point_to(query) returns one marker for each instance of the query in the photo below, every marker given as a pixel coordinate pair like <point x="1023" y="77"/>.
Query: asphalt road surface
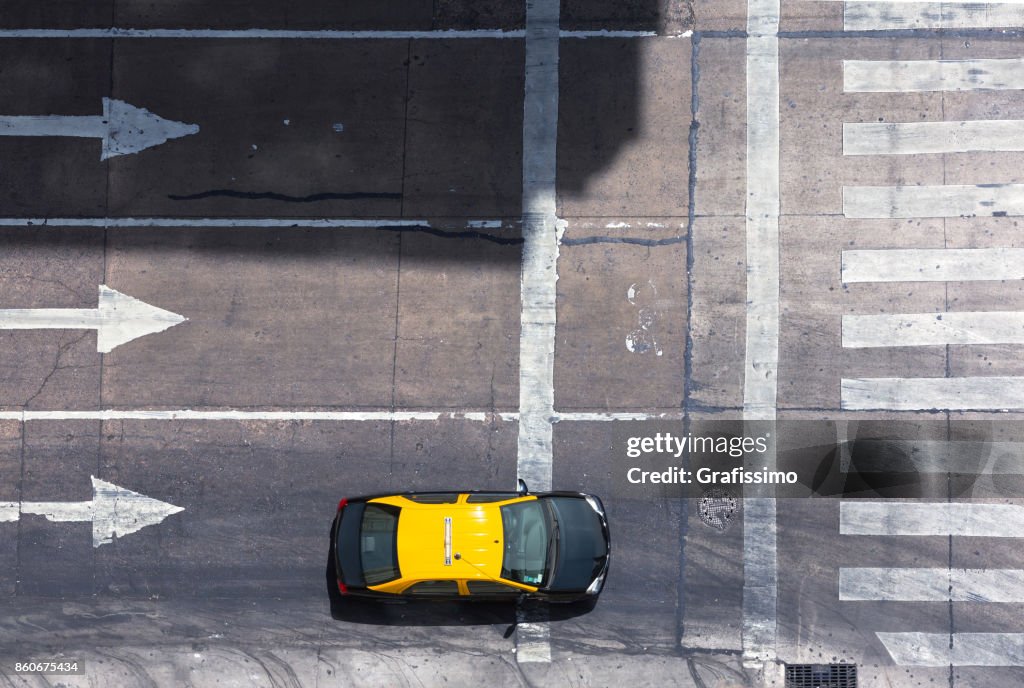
<point x="374" y="246"/>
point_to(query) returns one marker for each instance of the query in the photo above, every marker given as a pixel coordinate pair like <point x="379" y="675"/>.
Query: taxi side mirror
<point x="522" y="489"/>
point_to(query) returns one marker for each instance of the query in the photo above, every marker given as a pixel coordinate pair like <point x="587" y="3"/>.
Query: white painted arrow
<point x="118" y="320"/>
<point x="124" y="128"/>
<point x="113" y="511"/>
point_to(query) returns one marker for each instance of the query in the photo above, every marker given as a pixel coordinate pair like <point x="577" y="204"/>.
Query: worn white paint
<point x="956" y="649"/>
<point x="124" y="129"/>
<point x="327" y="34"/>
<point x="885" y="15"/>
<point x="965" y="519"/>
<point x="912" y="138"/>
<point x="933" y="265"/>
<point x="603" y="416"/>
<point x="118" y="320"/>
<point x="541" y="234"/>
<point x="931" y="393"/>
<point x="933" y="329"/>
<point x="992" y="74"/>
<point x="641" y="339"/>
<point x="114" y="511"/>
<point x="932" y="585"/>
<point x="233" y="415"/>
<point x="948" y="200"/>
<point x="760" y="566"/>
<point x="938" y="456"/>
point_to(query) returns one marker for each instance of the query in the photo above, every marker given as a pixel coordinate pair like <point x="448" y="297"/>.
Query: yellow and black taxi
<point x="472" y="545"/>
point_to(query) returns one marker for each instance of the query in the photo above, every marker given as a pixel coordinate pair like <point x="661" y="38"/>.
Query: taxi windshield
<point x="528" y="533"/>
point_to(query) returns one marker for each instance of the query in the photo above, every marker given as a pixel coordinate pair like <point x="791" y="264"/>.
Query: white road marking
<point x="938" y="456"/>
<point x="760" y="565"/>
<point x="343" y="416"/>
<point x="541" y="234"/>
<point x="964" y="519"/>
<point x="930" y="393"/>
<point x="968" y="649"/>
<point x="933" y="329"/>
<point x="877" y="76"/>
<point x="912" y="138"/>
<point x="932" y="585"/>
<point x="233" y="222"/>
<point x="328" y="34"/>
<point x="118" y="320"/>
<point x="124" y="129"/>
<point x="885" y="15"/>
<point x="948" y="200"/>
<point x="933" y="265"/>
<point x="113" y="510"/>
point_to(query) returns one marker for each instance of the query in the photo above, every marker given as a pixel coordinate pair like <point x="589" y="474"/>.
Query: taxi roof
<point x="476" y="535"/>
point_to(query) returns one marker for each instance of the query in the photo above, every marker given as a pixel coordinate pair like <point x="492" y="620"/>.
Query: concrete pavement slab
<point x="50" y="268"/>
<point x="10" y="491"/>
<point x="55" y="175"/>
<point x="465" y="118"/>
<point x="64" y="14"/>
<point x="813" y="299"/>
<point x="646" y="533"/>
<point x="276" y="317"/>
<point x="624" y="117"/>
<point x="457" y="324"/>
<point x="453" y="454"/>
<point x="258" y="499"/>
<point x="813" y="169"/>
<point x="621" y="333"/>
<point x="286" y="128"/>
<point x="56" y="559"/>
<point x="718" y="312"/>
<point x="721" y="135"/>
<point x="307" y="14"/>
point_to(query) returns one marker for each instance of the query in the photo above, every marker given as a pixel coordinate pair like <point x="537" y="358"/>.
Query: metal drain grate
<point x="717" y="508"/>
<point x="821" y="676"/>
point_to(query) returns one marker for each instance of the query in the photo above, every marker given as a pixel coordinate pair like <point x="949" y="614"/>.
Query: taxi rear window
<point x="378" y="543"/>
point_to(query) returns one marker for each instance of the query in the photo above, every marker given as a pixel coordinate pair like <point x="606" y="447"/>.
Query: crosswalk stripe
<point x="932" y="265"/>
<point x="882" y="76"/>
<point x="966" y="519"/>
<point x="881" y="16"/>
<point x="936" y="456"/>
<point x="948" y="200"/>
<point x="933" y="329"/>
<point x="911" y="138"/>
<point x="932" y="393"/>
<point x="955" y="649"/>
<point x="931" y="584"/>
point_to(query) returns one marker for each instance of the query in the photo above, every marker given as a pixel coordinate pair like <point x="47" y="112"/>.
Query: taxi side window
<point x="434" y="497"/>
<point x="490" y="588"/>
<point x="433" y="588"/>
<point x="485" y="497"/>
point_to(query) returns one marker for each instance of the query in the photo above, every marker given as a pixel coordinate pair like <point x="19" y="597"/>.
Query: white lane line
<point x="231" y="222"/>
<point x="603" y="416"/>
<point x="760" y="565"/>
<point x="228" y="414"/>
<point x="968" y="649"/>
<point x="933" y="265"/>
<point x="913" y="138"/>
<point x="948" y="200"/>
<point x="881" y="16"/>
<point x="937" y="456"/>
<point x="964" y="519"/>
<point x="538" y="277"/>
<point x="933" y="329"/>
<point x="932" y="393"/>
<point x="932" y="585"/>
<point x="344" y="416"/>
<point x="880" y="76"/>
<point x="329" y="35"/>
